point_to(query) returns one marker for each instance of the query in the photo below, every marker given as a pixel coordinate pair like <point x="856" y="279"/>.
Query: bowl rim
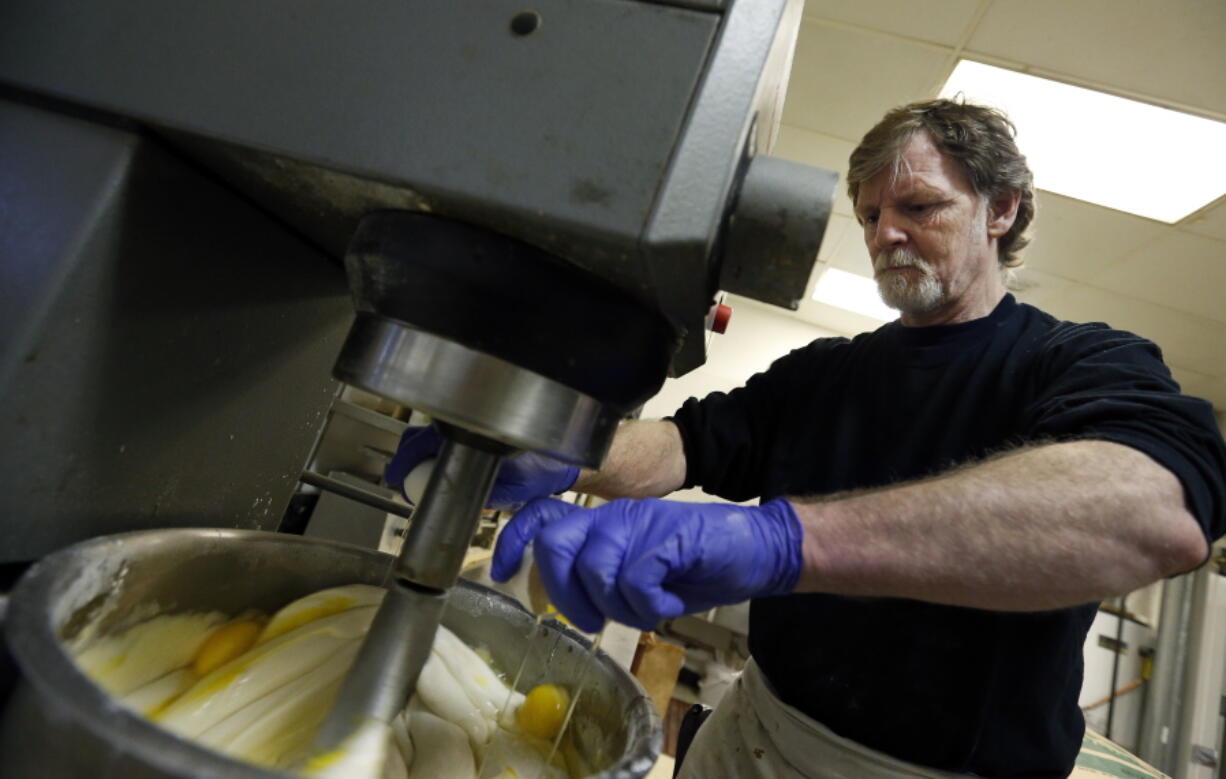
<point x="45" y="664"/>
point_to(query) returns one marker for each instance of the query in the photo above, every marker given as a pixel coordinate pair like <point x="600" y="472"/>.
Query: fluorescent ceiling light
<point x="853" y="292"/>
<point x="1089" y="145"/>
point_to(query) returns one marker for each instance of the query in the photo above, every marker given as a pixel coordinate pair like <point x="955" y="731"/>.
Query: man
<point x="944" y="500"/>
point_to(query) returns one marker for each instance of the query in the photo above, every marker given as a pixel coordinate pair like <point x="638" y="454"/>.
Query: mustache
<point x="898" y="258"/>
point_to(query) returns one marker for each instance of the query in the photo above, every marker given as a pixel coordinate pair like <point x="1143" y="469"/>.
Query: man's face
<point x="932" y="239"/>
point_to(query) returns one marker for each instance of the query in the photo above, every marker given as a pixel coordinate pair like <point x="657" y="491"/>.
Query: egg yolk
<point x="543" y="710"/>
<point x="226" y="643"/>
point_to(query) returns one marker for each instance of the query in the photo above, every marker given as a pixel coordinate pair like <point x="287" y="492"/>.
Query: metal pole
<point x="1115" y="665"/>
<point x="355" y="493"/>
<point x="384" y="674"/>
<point x="1160" y="734"/>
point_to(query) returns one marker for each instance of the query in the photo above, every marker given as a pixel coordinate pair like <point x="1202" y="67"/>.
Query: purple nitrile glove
<point x="642" y="561"/>
<point x="521" y="478"/>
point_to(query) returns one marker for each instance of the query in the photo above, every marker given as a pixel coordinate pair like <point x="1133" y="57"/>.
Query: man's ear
<point x="1002" y="212"/>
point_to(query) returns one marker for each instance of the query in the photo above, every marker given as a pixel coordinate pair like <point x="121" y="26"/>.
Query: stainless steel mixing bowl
<point x="59" y="724"/>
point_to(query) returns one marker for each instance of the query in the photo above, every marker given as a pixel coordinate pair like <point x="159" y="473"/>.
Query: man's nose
<point x="889" y="230"/>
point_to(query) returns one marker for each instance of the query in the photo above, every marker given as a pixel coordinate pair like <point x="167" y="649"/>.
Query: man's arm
<point x="646" y="460"/>
<point x="1041" y="528"/>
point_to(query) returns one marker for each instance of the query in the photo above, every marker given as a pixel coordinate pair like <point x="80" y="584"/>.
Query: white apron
<point x="754" y="735"/>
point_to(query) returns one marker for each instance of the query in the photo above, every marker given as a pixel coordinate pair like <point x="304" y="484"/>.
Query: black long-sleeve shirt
<point x="961" y="689"/>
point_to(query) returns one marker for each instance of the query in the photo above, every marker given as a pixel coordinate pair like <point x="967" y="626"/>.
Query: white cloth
<point x="754" y="735"/>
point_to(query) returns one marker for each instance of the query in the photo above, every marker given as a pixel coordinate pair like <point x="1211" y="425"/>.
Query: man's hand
<point x="641" y="561"/>
<point x="520" y="479"/>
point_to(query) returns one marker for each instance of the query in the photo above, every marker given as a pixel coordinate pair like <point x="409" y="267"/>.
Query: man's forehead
<point x="920" y="169"/>
<point x="901" y="185"/>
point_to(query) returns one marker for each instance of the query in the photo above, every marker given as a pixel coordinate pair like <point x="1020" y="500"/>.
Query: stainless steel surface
<point x="353" y="492"/>
<point x="384" y="675"/>
<point x="1201" y="703"/>
<point x="475" y="391"/>
<point x="450" y="509"/>
<point x="164" y="344"/>
<point x="304" y="106"/>
<point x="334" y="517"/>
<point x="108" y="579"/>
<point x="355" y="440"/>
<point x="1160" y="725"/>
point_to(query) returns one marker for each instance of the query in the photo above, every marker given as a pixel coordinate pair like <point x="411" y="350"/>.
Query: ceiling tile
<point x="836" y="231"/>
<point x="1179" y="270"/>
<point x="1079" y="240"/>
<point x="939" y="21"/>
<point x="851" y="254"/>
<point x="1169" y="50"/>
<point x="1039" y="289"/>
<point x="1212" y="390"/>
<point x="1211" y="224"/>
<point x="819" y="268"/>
<point x="1086" y="263"/>
<point x="813" y="148"/>
<point x="1200" y="385"/>
<point x="1216" y="394"/>
<point x="843" y="81"/>
<point x="1188" y="341"/>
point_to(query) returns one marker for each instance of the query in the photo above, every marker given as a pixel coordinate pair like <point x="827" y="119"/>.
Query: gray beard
<point x="904" y="292"/>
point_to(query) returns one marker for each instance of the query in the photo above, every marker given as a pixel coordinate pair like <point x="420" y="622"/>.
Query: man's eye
<point x="870" y="220"/>
<point x="918" y="208"/>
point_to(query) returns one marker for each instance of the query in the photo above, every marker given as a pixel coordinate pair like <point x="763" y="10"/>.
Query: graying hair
<point x="978" y="138"/>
